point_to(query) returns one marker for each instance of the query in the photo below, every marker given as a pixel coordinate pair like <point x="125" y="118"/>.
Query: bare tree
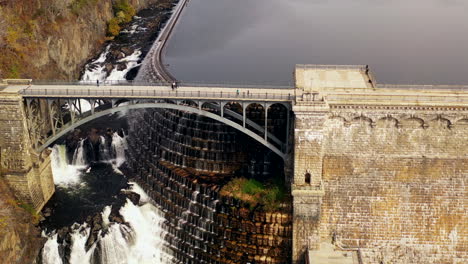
<point x="3" y="27"/>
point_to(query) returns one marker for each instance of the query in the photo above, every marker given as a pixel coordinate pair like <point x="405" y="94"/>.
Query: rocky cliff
<point x="53" y="39"/>
<point x="20" y="240"/>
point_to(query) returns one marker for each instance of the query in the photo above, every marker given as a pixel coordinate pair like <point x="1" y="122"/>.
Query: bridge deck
<point x="160" y="91"/>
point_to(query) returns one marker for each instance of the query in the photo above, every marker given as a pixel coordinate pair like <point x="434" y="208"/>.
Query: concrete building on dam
<point x="377" y="173"/>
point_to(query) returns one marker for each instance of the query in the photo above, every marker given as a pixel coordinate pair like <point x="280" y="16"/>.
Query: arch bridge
<point x="55" y="109"/>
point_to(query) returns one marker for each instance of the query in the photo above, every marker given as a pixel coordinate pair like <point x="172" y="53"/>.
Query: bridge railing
<point x="332" y="67"/>
<point x="237" y="85"/>
<point x="286" y="85"/>
<point x="100" y="83"/>
<point x="154" y="93"/>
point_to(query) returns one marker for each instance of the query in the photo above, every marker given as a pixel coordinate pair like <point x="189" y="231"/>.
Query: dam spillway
<point x="182" y="173"/>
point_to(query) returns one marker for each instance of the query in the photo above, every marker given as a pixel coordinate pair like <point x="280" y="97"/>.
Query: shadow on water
<point x="74" y="203"/>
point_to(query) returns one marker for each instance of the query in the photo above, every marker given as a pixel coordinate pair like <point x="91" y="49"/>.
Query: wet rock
<point x="91" y="240"/>
<point x="62" y="233"/>
<point x="133" y="197"/>
<point x="96" y="227"/>
<point x="127" y="51"/>
<point x="121" y="66"/>
<point x="116" y="55"/>
<point x="109" y="67"/>
<point x="47" y="212"/>
<point x="117" y="219"/>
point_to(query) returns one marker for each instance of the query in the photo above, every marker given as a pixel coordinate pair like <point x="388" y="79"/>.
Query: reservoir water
<point x="404" y="42"/>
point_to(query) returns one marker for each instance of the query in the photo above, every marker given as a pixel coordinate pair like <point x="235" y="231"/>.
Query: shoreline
<point x="152" y="67"/>
<point x="121" y="57"/>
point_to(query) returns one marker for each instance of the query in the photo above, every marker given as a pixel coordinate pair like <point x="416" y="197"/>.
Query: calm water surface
<point x="410" y="42"/>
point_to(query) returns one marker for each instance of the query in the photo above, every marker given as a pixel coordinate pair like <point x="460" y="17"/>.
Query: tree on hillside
<point x="3" y="27"/>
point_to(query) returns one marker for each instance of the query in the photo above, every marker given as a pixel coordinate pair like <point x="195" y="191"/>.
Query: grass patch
<point x="252" y="187"/>
<point x="28" y="208"/>
<point x="269" y="195"/>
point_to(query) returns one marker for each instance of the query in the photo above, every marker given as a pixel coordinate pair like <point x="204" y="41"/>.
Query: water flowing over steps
<point x="202" y="226"/>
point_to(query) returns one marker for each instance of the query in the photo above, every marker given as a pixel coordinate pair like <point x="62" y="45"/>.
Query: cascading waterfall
<point x="138" y="240"/>
<point x="142" y="242"/>
<point x="103" y="149"/>
<point x="64" y="173"/>
<point x="95" y="69"/>
<point x="79" y="156"/>
<point x="50" y="253"/>
<point x="119" y="145"/>
<point x="78" y="253"/>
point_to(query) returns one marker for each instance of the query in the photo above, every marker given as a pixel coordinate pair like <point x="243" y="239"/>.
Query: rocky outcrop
<point x="20" y="240"/>
<point x="53" y="39"/>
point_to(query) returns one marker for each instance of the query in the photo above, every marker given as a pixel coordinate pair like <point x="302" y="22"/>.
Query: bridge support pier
<point x="307" y="190"/>
<point x="27" y="172"/>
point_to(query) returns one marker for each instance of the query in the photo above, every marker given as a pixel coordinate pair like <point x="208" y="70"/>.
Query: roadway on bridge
<point x="158" y="91"/>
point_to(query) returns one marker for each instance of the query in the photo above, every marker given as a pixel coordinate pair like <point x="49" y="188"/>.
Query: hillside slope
<point x="53" y="39"/>
<point x="20" y="240"/>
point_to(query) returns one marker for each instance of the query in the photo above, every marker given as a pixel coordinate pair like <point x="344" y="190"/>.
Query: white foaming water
<point x="141" y="243"/>
<point x="119" y="145"/>
<point x="78" y="156"/>
<point x="78" y="252"/>
<point x="146" y="222"/>
<point x="63" y="173"/>
<point x="103" y="150"/>
<point x="50" y="253"/>
<point x="114" y="247"/>
<point x="131" y="62"/>
<point x="105" y="216"/>
<point x="95" y="69"/>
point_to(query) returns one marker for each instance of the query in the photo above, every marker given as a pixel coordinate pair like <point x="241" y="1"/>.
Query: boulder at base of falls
<point x="132" y="196"/>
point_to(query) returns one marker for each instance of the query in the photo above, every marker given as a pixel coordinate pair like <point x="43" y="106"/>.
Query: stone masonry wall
<point x="394" y="182"/>
<point x="308" y="159"/>
<point x="26" y="172"/>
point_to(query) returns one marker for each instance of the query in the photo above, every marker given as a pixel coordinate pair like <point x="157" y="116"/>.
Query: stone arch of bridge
<point x="69" y="127"/>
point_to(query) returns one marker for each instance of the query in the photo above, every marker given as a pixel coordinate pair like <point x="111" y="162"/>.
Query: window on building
<point x="307" y="178"/>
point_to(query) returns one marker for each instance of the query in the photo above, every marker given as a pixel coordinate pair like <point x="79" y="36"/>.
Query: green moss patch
<point x="269" y="195"/>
